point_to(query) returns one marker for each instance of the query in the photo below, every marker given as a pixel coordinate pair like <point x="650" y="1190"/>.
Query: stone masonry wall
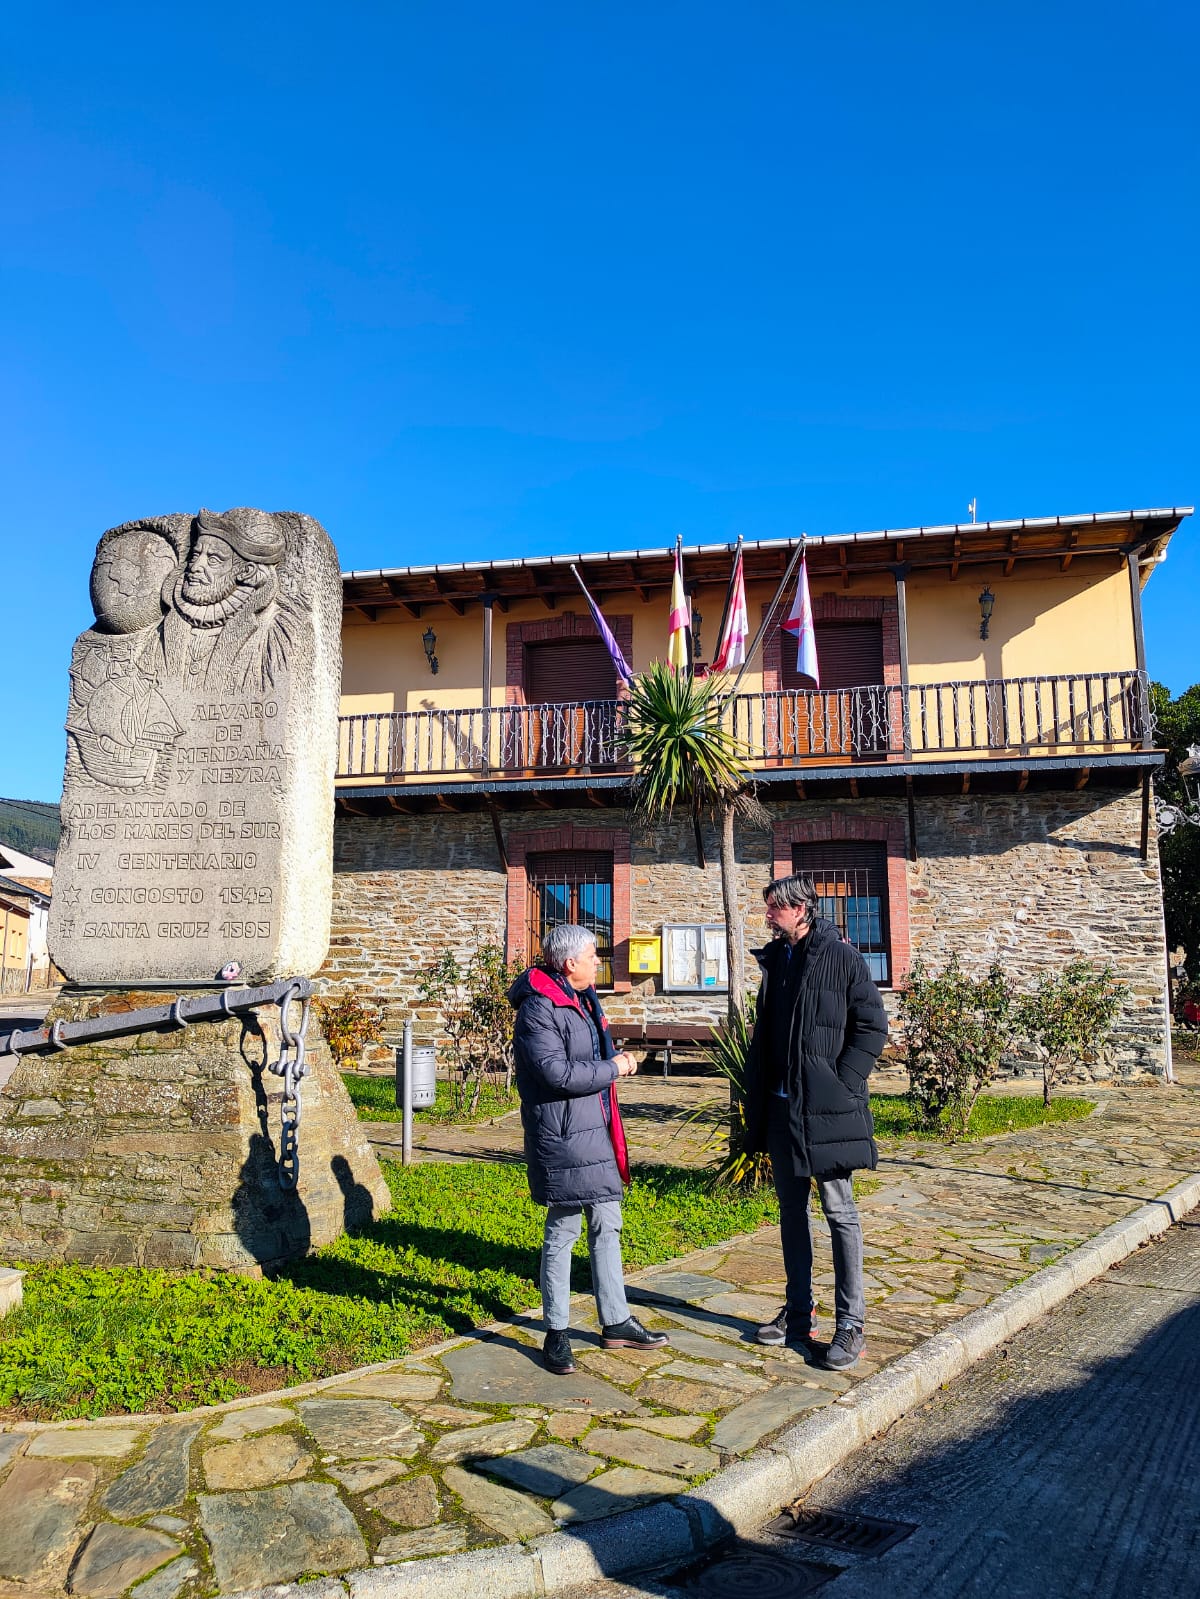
<point x="160" y="1148"/>
<point x="1037" y="879"/>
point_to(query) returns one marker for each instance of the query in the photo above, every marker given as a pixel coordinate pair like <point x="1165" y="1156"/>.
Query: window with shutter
<point x="850" y="655"/>
<point x="852" y="883"/>
<point x="559" y="671"/>
<point x="572" y="886"/>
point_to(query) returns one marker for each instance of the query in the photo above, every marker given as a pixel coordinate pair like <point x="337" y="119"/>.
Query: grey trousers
<point x="563" y="1223"/>
<point x="845" y="1231"/>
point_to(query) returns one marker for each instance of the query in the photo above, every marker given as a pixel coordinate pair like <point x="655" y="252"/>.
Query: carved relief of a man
<point x="228" y="626"/>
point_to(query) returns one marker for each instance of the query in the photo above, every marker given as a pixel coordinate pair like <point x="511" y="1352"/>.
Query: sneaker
<point x="776" y="1332"/>
<point x="556" y="1352"/>
<point x="631" y="1334"/>
<point x="848" y="1344"/>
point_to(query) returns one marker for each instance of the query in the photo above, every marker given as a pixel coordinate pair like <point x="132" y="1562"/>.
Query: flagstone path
<point x="475" y="1443"/>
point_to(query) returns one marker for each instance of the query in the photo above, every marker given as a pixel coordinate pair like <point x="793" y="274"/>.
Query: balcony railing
<point x="1086" y="712"/>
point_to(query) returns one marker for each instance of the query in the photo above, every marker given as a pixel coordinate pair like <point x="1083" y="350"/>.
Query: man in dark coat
<point x="565" y="1069"/>
<point x="818" y="1031"/>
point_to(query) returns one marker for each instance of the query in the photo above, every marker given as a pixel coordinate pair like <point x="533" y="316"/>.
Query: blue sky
<point x="470" y="280"/>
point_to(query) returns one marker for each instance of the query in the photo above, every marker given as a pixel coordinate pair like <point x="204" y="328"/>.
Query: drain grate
<point x="852" y="1535"/>
<point x="744" y="1571"/>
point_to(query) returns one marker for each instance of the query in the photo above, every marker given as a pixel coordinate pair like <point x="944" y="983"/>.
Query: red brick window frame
<point x="837" y="608"/>
<point x="566" y="838"/>
<point x="567" y="625"/>
<point x="859" y="829"/>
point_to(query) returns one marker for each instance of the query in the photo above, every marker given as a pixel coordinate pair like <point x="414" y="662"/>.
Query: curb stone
<point x="739" y="1498"/>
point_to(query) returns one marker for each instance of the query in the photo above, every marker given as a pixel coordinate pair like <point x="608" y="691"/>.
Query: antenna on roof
<point x="972" y="508"/>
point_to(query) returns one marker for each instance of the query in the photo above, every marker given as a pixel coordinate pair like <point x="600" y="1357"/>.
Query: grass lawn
<point x="459" y="1248"/>
<point x="374" y="1099"/>
<point x="992" y="1113"/>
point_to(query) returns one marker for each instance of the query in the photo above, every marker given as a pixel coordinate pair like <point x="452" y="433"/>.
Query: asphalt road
<point x="1065" y="1464"/>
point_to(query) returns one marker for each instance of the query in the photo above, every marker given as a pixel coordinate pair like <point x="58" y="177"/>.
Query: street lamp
<point x="986" y="600"/>
<point x="1168" y="816"/>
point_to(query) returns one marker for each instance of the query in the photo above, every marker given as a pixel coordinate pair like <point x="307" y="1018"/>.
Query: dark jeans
<point x="845" y="1230"/>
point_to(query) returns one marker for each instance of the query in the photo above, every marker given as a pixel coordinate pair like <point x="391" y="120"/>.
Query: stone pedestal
<point x="159" y="1149"/>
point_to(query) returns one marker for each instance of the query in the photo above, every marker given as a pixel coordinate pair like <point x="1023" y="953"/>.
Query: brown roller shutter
<point x="850" y="654"/>
<point x="564" y="670"/>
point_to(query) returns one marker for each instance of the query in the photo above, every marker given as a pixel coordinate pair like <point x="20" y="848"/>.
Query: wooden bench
<point x="663" y="1037"/>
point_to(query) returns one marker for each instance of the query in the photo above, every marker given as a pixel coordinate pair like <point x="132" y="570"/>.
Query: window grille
<point x="572" y="886"/>
<point x="851" y="881"/>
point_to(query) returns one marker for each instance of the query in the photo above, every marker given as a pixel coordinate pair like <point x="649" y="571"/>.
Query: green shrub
<point x="1068" y="1018"/>
<point x="736" y="1166"/>
<point x="349" y="1026"/>
<point x="956" y="1031"/>
<point x="472" y="997"/>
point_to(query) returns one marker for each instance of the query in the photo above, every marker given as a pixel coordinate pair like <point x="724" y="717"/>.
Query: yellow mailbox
<point x="645" y="953"/>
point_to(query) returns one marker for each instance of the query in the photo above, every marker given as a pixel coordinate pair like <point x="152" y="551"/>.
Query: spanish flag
<point x="680" y="620"/>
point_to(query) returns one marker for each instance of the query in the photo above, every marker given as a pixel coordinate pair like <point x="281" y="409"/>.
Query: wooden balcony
<point x="1092" y="713"/>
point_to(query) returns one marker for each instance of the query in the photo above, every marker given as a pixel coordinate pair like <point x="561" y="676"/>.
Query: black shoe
<point x="631" y="1335"/>
<point x="848" y="1344"/>
<point x="776" y="1332"/>
<point x="556" y="1352"/>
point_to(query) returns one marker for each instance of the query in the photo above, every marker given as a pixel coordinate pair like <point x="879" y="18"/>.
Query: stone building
<point x="973" y="775"/>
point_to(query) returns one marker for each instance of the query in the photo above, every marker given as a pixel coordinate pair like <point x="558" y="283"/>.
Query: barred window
<point x="851" y="880"/>
<point x="572" y="886"/>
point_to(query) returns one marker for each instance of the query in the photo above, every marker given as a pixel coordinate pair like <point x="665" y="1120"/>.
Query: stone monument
<point x="201" y="743"/>
<point x="196" y="850"/>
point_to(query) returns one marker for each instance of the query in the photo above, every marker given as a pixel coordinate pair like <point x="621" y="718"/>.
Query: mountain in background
<point x="30" y="826"/>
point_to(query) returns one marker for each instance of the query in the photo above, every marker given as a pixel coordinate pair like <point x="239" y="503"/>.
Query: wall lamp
<point x="429" y="640"/>
<point x="986" y="601"/>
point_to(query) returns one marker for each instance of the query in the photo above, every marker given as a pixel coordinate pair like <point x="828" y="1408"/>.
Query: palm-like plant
<point x="684" y="754"/>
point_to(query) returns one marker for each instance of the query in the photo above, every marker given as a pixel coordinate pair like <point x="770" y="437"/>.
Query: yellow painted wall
<point x="14" y="946"/>
<point x="1041" y="626"/>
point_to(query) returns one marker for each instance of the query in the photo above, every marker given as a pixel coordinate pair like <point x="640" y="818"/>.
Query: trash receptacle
<point x="424" y="1076"/>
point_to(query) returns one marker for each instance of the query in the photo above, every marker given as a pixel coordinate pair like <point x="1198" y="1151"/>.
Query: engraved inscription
<point x="201" y="729"/>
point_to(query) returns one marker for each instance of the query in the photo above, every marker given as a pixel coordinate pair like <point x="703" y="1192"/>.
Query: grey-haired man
<point x="819" y="1029"/>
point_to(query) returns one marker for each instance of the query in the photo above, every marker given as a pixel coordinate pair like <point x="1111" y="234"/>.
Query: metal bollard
<point x="405" y="1097"/>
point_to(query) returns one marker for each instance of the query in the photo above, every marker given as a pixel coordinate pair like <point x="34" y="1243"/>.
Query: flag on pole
<point x="800" y="622"/>
<point x="680" y="619"/>
<point x="735" y="630"/>
<point x="620" y="664"/>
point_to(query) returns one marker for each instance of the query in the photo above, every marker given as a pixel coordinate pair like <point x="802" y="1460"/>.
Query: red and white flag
<point x="680" y="619"/>
<point x="731" y="646"/>
<point x="800" y="622"/>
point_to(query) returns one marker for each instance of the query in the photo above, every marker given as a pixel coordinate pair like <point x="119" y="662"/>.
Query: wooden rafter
<point x="459" y="607"/>
<point x="1014" y="544"/>
<point x="1084" y="773"/>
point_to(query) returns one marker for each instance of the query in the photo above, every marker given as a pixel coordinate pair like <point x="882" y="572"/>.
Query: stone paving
<point x="475" y="1443"/>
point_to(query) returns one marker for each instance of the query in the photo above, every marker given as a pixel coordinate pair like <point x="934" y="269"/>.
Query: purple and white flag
<point x="620" y="664"/>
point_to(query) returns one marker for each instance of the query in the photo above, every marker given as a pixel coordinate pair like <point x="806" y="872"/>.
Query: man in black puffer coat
<point x="574" y="1146"/>
<point x="819" y="1029"/>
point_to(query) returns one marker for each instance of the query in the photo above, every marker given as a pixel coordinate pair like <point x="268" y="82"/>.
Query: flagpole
<point x="766" y="621"/>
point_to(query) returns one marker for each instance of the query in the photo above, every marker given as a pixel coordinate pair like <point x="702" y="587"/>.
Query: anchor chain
<point x="291" y="1066"/>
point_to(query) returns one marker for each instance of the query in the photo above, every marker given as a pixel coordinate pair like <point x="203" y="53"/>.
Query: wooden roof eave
<point x="1063" y="542"/>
